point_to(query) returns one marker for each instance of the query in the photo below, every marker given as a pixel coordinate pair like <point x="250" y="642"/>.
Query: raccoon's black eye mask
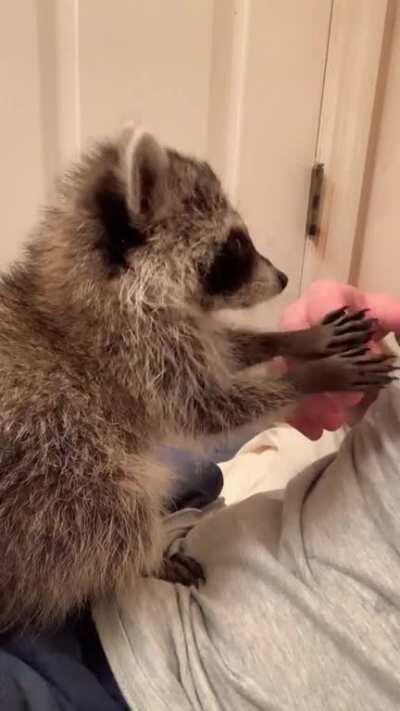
<point x="119" y="236"/>
<point x="232" y="266"/>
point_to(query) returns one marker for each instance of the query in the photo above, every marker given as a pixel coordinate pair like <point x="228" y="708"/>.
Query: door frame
<point x="355" y="74"/>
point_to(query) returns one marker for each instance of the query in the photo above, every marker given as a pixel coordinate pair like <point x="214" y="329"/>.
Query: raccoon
<point x="108" y="346"/>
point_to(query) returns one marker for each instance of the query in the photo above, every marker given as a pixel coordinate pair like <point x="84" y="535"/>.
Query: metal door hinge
<point x="314" y="200"/>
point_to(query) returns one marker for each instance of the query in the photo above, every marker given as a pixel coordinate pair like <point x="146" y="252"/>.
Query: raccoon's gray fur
<point x="106" y="349"/>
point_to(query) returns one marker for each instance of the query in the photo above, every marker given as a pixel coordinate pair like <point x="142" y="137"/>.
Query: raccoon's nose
<point x="283" y="279"/>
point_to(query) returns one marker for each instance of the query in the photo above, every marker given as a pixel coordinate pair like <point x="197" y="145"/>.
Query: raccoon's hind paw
<point x="181" y="568"/>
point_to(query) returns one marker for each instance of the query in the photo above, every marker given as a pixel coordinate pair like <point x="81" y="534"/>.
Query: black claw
<point x="358" y="315"/>
<point x="379" y="359"/>
<point x="376" y="366"/>
<point x="372" y="324"/>
<point x="333" y="315"/>
<point x="358" y="329"/>
<point x="381" y="381"/>
<point x="365" y="325"/>
<point x="378" y="371"/>
<point x="345" y="345"/>
<point x="354" y="320"/>
<point x="354" y="352"/>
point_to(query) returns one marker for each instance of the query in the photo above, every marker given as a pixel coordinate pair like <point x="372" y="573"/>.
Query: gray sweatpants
<point x="301" y="609"/>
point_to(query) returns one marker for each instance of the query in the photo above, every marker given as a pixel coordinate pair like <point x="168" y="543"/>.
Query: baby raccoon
<point x="107" y="348"/>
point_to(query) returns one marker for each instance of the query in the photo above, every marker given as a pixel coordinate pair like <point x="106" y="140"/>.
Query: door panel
<point x="281" y="97"/>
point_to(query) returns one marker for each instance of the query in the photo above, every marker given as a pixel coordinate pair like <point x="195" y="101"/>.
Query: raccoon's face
<point x="161" y="222"/>
<point x="237" y="276"/>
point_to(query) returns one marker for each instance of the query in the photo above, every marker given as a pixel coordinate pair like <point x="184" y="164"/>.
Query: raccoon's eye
<point x="233" y="264"/>
<point x="238" y="243"/>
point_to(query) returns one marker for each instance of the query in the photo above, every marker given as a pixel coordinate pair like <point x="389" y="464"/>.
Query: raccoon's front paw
<point x="181" y="568"/>
<point x="339" y="331"/>
<point x="348" y="371"/>
<point x="347" y="329"/>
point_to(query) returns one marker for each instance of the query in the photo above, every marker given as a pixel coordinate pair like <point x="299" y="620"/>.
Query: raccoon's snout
<point x="282" y="279"/>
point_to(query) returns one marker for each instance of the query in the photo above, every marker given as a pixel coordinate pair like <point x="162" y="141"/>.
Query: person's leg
<point x="46" y="673"/>
<point x="301" y="608"/>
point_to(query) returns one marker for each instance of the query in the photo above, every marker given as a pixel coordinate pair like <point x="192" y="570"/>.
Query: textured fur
<point x="106" y="349"/>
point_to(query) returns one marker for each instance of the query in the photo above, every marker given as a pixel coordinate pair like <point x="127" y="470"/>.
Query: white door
<point x="237" y="81"/>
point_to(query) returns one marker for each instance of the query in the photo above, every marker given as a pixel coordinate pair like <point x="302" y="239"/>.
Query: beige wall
<point x="380" y="254"/>
<point x="21" y="147"/>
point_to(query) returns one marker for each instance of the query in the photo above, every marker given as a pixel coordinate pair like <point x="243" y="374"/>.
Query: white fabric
<point x="268" y="461"/>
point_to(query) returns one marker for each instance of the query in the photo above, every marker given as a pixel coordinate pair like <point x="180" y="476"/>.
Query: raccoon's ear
<point x="146" y="165"/>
